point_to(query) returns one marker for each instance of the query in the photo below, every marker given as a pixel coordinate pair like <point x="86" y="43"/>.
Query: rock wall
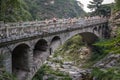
<point x="114" y="23"/>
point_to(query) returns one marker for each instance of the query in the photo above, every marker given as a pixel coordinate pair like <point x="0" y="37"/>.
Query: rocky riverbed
<point x="68" y="67"/>
<point x="77" y="73"/>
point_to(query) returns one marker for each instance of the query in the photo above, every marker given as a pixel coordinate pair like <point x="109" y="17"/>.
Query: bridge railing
<point x="12" y="31"/>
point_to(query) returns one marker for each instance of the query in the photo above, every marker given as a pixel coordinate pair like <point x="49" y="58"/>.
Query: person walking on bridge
<point x="54" y="21"/>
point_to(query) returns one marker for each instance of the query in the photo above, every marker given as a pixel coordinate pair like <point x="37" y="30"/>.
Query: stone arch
<point x="94" y="29"/>
<point x="55" y="43"/>
<point x="87" y="37"/>
<point x="12" y="47"/>
<point x="20" y="59"/>
<point x="40" y="48"/>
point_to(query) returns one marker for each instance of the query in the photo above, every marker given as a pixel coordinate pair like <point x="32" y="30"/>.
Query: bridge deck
<point x="15" y="31"/>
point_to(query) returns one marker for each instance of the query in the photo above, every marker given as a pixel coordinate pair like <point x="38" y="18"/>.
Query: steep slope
<point x="42" y="9"/>
<point x="26" y="10"/>
<point x="13" y="10"/>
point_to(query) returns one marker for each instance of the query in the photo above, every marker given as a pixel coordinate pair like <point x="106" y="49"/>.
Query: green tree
<point x="105" y="9"/>
<point x="100" y="9"/>
<point x="26" y="10"/>
<point x="13" y="10"/>
<point x="95" y="6"/>
<point x="117" y="5"/>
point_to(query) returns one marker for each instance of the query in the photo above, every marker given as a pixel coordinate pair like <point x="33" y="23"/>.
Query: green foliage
<point x="39" y="75"/>
<point x="96" y="55"/>
<point x="112" y="45"/>
<point x="117" y="5"/>
<point x="13" y="10"/>
<point x="26" y="10"/>
<point x="109" y="74"/>
<point x="51" y="78"/>
<point x="95" y="4"/>
<point x="74" y="43"/>
<point x="70" y="50"/>
<point x="3" y="74"/>
<point x="47" y="70"/>
<point x="105" y="9"/>
<point x="60" y="8"/>
<point x="7" y="76"/>
<point x="57" y="61"/>
<point x="103" y="48"/>
<point x="100" y="9"/>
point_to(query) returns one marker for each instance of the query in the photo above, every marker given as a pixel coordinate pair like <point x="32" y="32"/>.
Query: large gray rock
<point x="109" y="61"/>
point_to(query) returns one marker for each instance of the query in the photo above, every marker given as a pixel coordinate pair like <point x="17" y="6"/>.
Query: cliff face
<point x="42" y="9"/>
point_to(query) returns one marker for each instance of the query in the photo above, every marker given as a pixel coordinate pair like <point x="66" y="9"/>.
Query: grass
<point x="47" y="70"/>
<point x="107" y="74"/>
<point x="7" y="76"/>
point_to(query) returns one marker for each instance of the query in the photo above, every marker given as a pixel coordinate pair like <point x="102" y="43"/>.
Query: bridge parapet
<point x="13" y="31"/>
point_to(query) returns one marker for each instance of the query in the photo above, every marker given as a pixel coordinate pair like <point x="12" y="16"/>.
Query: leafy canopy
<point x="95" y="4"/>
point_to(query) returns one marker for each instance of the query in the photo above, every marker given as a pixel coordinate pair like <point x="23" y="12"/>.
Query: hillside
<point x="25" y="10"/>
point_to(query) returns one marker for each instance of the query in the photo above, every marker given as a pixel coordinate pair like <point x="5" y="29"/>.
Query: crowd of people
<point x="71" y="21"/>
<point x="55" y="20"/>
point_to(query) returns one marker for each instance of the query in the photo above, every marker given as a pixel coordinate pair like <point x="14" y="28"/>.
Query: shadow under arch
<point x="54" y="44"/>
<point x="40" y="50"/>
<point x="20" y="59"/>
<point x="89" y="37"/>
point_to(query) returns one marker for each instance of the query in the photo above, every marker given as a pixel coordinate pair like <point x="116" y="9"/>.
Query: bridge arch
<point x="20" y="59"/>
<point x="88" y="37"/>
<point x="55" y="43"/>
<point x="95" y="29"/>
<point x="40" y="47"/>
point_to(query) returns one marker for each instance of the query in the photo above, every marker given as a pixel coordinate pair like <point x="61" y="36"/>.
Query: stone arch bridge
<point x="25" y="46"/>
